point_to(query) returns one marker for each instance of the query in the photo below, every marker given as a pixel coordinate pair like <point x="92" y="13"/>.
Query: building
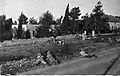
<point x="114" y="25"/>
<point x="114" y="22"/>
<point x="25" y="26"/>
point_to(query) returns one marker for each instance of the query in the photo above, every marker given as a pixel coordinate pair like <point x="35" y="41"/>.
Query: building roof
<point x="111" y="18"/>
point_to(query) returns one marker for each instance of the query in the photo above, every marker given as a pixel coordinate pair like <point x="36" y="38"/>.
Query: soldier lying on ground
<point x="85" y="54"/>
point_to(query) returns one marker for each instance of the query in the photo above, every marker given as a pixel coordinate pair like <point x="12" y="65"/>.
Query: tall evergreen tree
<point x="66" y="21"/>
<point x="22" y="20"/>
<point x="2" y="27"/>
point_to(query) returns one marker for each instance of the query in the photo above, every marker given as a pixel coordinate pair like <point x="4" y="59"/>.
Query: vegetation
<point x="46" y="20"/>
<point x="66" y="21"/>
<point x="5" y="28"/>
<point x="95" y="21"/>
<point x="33" y="21"/>
<point x="22" y="55"/>
<point x="15" y="53"/>
<point x="70" y="23"/>
<point x="22" y="20"/>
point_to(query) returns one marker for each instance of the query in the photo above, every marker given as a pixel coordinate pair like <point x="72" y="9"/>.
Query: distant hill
<point x="111" y="18"/>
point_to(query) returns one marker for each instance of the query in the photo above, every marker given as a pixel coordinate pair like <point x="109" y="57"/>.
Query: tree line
<point x="70" y="23"/>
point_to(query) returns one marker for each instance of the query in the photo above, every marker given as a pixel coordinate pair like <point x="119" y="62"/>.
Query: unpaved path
<point x="84" y="66"/>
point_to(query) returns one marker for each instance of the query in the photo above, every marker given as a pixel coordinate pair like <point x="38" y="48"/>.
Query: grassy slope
<point x="83" y="66"/>
<point x="28" y="48"/>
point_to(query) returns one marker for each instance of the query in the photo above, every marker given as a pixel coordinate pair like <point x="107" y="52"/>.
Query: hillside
<point x="14" y="54"/>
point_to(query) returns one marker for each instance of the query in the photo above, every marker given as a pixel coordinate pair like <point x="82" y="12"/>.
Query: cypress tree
<point x="65" y="23"/>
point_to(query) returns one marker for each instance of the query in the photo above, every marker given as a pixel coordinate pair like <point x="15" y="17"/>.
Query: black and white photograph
<point x="60" y="37"/>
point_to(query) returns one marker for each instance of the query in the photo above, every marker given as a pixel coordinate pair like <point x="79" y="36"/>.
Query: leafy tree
<point x="22" y="20"/>
<point x="8" y="27"/>
<point x="84" y="22"/>
<point x="5" y="28"/>
<point x="85" y="17"/>
<point x="96" y="22"/>
<point x="33" y="21"/>
<point x="59" y="21"/>
<point x="96" y="15"/>
<point x="9" y="23"/>
<point x="58" y="25"/>
<point x="74" y="20"/>
<point x="46" y="20"/>
<point x="75" y="13"/>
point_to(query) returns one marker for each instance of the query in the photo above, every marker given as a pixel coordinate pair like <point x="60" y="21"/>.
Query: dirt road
<point x="85" y="66"/>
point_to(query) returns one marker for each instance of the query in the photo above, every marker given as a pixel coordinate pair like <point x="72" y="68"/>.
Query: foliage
<point x="33" y="21"/>
<point x="17" y="55"/>
<point x="84" y="22"/>
<point x="59" y="21"/>
<point x="96" y="22"/>
<point x="8" y="28"/>
<point x="117" y="17"/>
<point x="22" y="20"/>
<point x="71" y="22"/>
<point x="46" y="20"/>
<point x="2" y="26"/>
<point x="75" y="13"/>
<point x="8" y="24"/>
<point x="5" y="28"/>
<point x="65" y="24"/>
<point x="74" y="20"/>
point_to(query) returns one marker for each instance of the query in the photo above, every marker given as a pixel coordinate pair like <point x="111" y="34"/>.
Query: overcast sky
<point x="13" y="8"/>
